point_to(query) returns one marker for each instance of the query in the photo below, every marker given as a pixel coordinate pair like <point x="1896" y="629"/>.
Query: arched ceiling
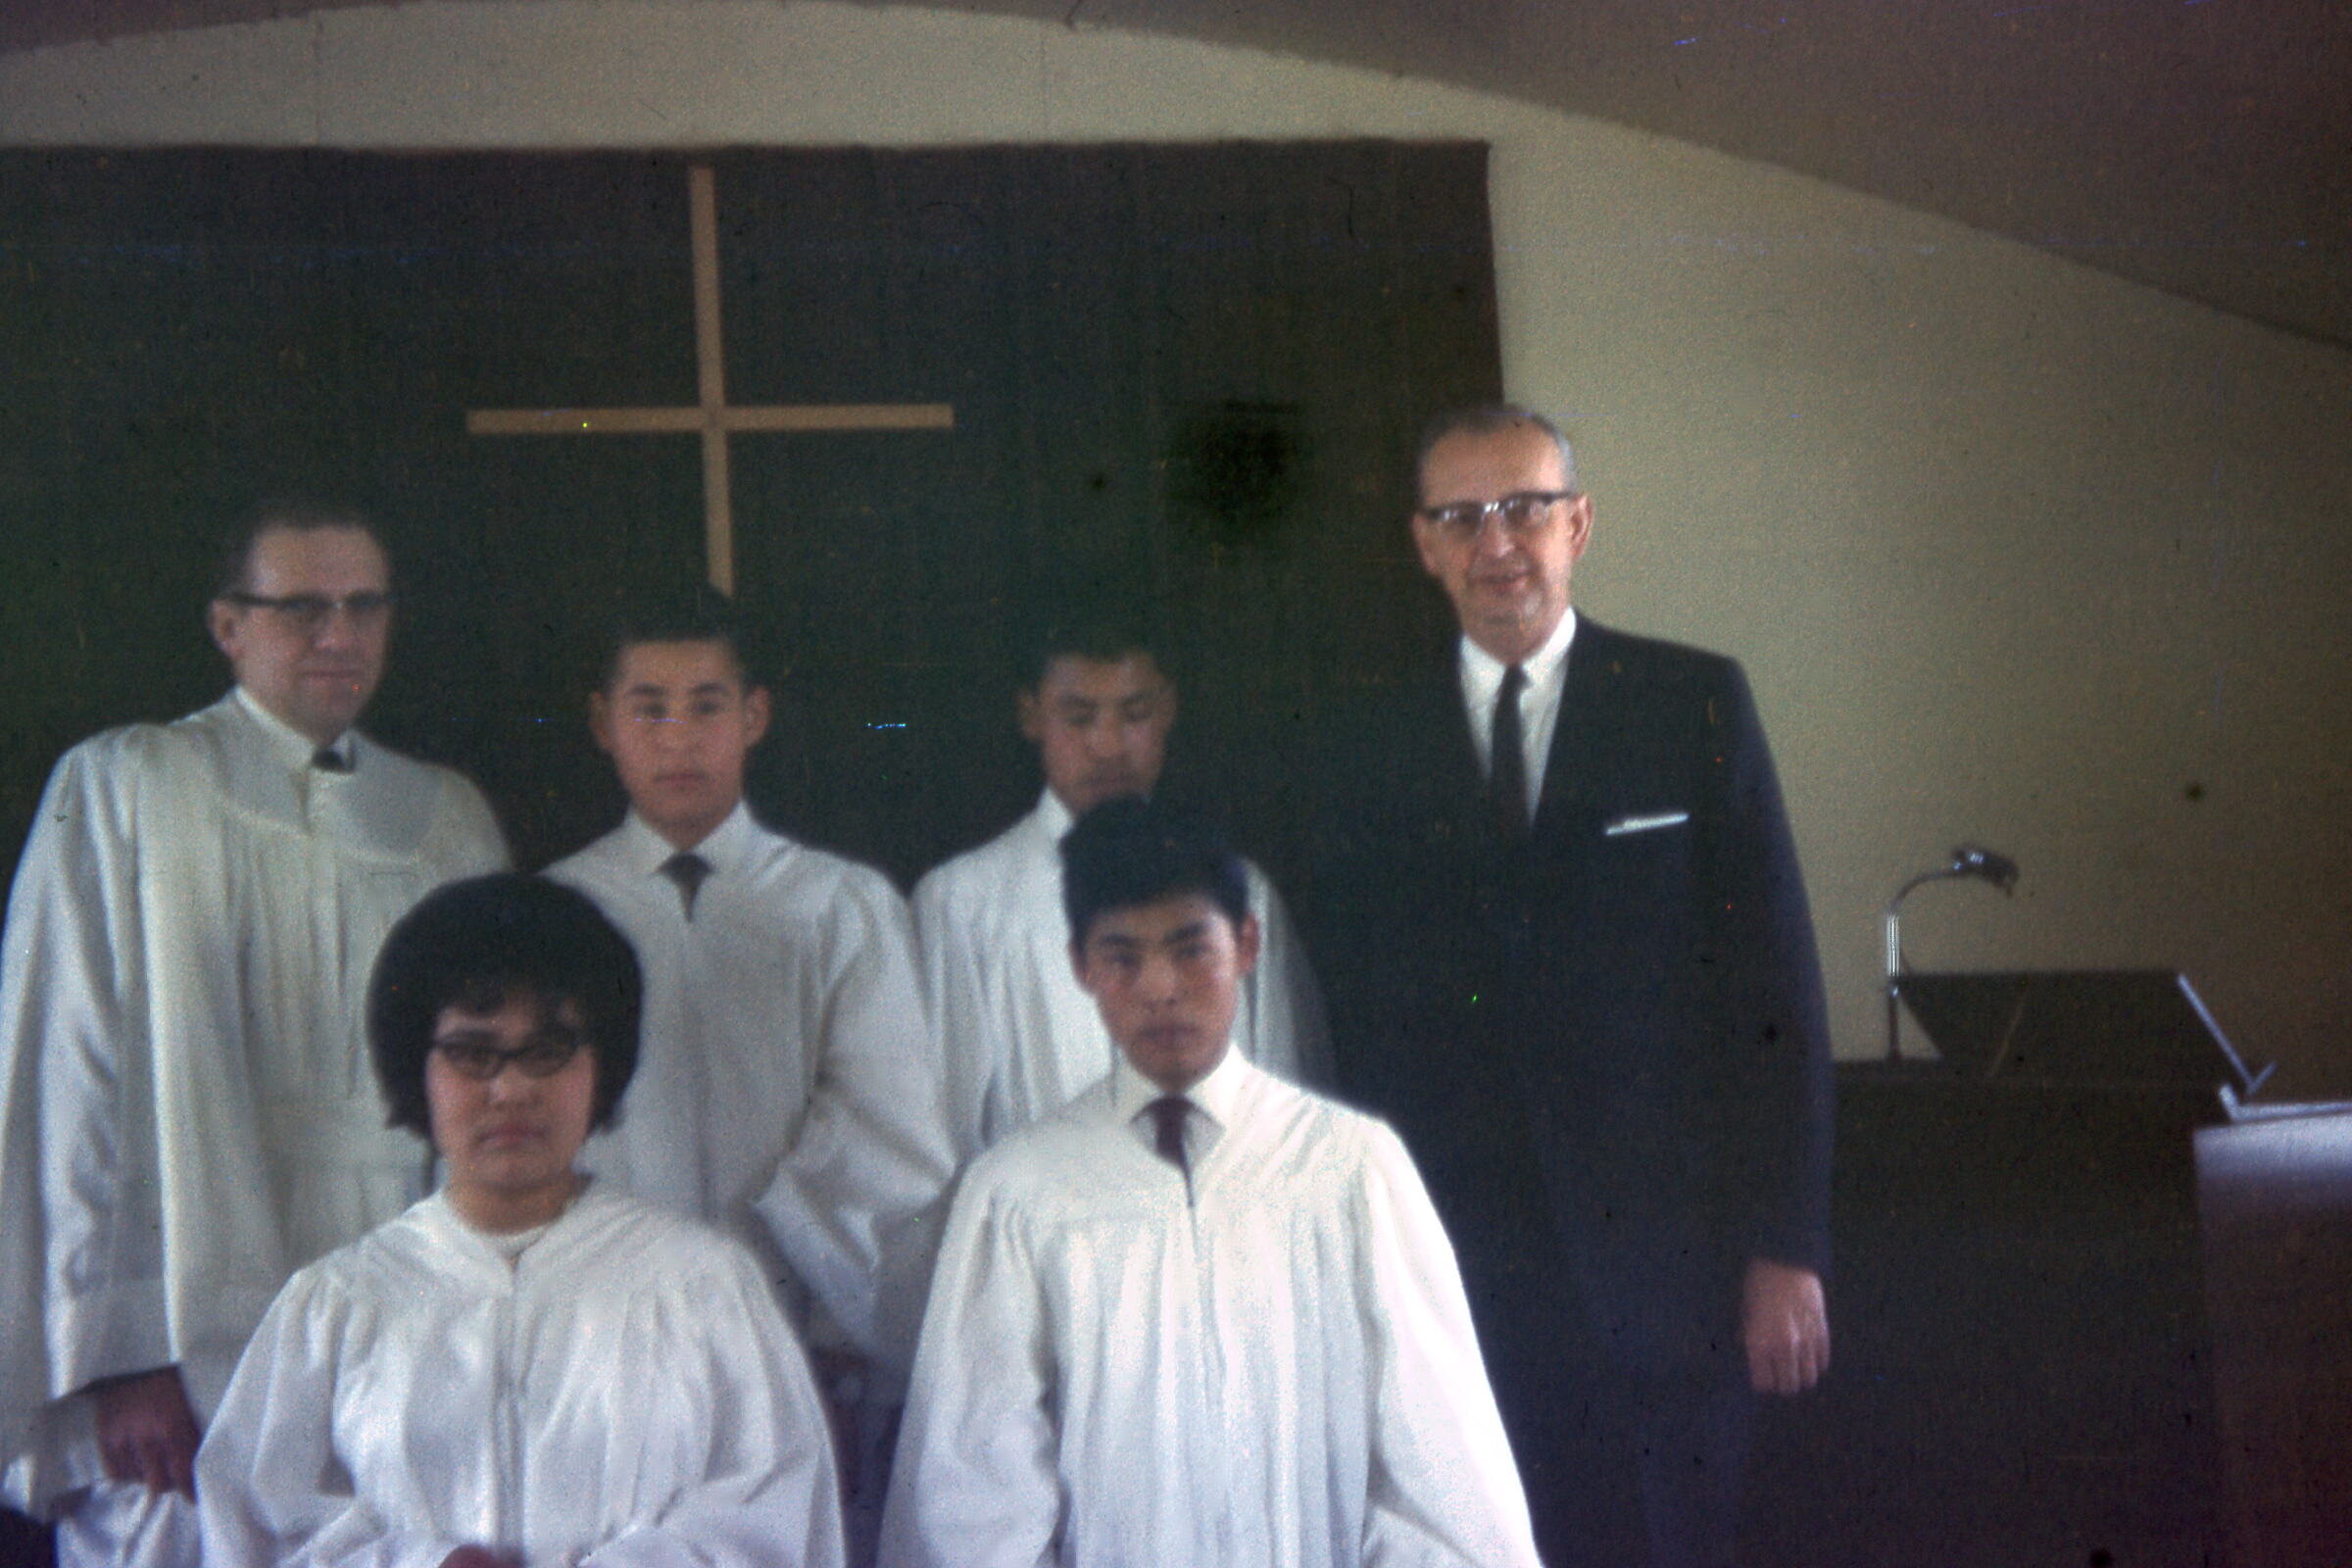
<point x="2200" y="146"/>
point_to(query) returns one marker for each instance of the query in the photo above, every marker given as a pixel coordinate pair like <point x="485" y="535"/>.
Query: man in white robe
<point x="790" y="1086"/>
<point x="1019" y="1035"/>
<point x="1199" y="1315"/>
<point x="186" y="1112"/>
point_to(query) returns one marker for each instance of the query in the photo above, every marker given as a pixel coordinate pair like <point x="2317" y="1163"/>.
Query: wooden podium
<point x="2275" y="1199"/>
<point x="2019" y="1372"/>
<point x="2020" y="1363"/>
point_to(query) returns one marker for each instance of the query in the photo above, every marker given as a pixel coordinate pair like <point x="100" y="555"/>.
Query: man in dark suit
<point x="1574" y="966"/>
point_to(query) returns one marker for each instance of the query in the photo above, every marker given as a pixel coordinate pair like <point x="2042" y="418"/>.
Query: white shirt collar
<point x="1217" y="1096"/>
<point x="297" y="748"/>
<point x="1482" y="672"/>
<point x="723" y="847"/>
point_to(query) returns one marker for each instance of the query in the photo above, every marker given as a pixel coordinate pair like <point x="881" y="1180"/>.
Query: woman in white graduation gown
<point x="522" y="1369"/>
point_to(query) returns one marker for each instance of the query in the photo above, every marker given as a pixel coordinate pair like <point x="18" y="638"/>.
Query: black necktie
<point x="1507" y="769"/>
<point x="687" y="870"/>
<point x="326" y="760"/>
<point x="1168" y="1130"/>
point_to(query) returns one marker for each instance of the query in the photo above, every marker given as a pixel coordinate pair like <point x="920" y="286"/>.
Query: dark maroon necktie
<point x="1507" y="769"/>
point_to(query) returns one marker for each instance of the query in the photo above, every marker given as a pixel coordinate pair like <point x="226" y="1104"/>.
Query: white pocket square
<point x="1645" y="824"/>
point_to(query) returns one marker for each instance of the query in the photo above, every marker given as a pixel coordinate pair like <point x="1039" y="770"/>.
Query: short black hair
<point x="473" y="944"/>
<point x="1098" y="634"/>
<point x="687" y="613"/>
<point x="1134" y="851"/>
<point x="294" y="513"/>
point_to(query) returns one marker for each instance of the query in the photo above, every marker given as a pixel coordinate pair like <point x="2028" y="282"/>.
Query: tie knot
<point x="326" y="760"/>
<point x="1167" y="1128"/>
<point x="1514" y="681"/>
<point x="687" y="870"/>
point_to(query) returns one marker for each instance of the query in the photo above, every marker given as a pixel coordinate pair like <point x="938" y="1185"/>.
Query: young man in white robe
<point x="1019" y="1035"/>
<point x="185" y="1109"/>
<point x="526" y="1367"/>
<point x="791" y="1086"/>
<point x="1197" y="1315"/>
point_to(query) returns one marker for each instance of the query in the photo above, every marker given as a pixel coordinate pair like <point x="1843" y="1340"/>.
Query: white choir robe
<point x="788" y="1088"/>
<point x="624" y="1392"/>
<point x="187" y="1110"/>
<point x="1020" y="1036"/>
<point x="1273" y="1367"/>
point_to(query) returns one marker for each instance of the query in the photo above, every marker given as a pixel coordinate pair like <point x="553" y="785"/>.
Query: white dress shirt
<point x="1539" y="701"/>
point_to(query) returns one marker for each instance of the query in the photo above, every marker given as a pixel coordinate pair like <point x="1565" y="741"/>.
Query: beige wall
<point x="2013" y="552"/>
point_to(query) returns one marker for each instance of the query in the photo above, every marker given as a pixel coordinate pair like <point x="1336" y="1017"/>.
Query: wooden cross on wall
<point x="711" y="417"/>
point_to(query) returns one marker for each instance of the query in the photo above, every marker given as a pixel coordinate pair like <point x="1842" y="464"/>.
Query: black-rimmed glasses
<point x="543" y="1056"/>
<point x="1522" y="511"/>
<point x="311" y="612"/>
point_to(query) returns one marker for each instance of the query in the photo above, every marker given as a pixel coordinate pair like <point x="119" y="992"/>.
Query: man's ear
<point x="1078" y="966"/>
<point x="222" y="620"/>
<point x="1425" y="546"/>
<point x="1030" y="714"/>
<point x="1247" y="940"/>
<point x="600" y="720"/>
<point x="1580" y="527"/>
<point x="756" y="712"/>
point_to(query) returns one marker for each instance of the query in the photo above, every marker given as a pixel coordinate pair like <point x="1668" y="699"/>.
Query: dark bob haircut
<point x="477" y="941"/>
<point x="1134" y="851"/>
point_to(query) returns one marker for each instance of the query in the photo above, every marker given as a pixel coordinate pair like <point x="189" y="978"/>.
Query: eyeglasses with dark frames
<point x="1523" y="513"/>
<point x="310" y="612"/>
<point x="543" y="1056"/>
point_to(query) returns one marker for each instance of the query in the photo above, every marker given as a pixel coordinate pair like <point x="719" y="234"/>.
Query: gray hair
<point x="1493" y="419"/>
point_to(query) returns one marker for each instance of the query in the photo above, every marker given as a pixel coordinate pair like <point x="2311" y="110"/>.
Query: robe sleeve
<point x="1444" y="1489"/>
<point x="771" y="1498"/>
<point x="976" y="1483"/>
<point x="467" y="839"/>
<point x="1288" y="1036"/>
<point x="271" y="1487"/>
<point x="81" y="1293"/>
<point x="855" y="1206"/>
<point x="955" y="997"/>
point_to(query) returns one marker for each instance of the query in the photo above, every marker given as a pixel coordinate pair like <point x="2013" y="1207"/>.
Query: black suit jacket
<point x="1604" y="1042"/>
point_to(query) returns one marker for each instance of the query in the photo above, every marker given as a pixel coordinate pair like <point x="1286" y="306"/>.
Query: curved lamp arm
<point x="1971" y="860"/>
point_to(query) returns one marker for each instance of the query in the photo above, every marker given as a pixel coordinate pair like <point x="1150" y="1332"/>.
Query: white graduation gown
<point x="624" y="1392"/>
<point x="1279" y="1372"/>
<point x="788" y="1088"/>
<point x="187" y="1111"/>
<point x="1019" y="1034"/>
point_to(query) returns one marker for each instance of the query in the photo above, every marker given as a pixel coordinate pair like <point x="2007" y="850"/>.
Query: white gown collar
<point x="290" y="745"/>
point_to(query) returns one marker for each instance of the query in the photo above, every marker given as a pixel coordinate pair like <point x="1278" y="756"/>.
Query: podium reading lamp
<point x="1968" y="861"/>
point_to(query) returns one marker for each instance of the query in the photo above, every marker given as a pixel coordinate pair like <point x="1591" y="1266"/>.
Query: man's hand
<point x="146" y="1430"/>
<point x="1785" y="1325"/>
